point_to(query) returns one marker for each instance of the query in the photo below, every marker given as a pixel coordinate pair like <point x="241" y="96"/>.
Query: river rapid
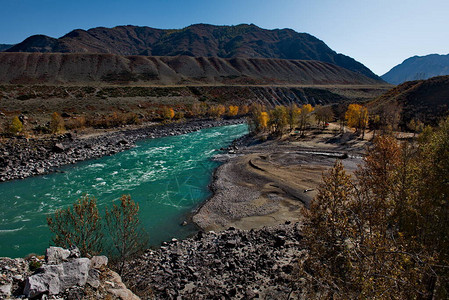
<point x="167" y="176"/>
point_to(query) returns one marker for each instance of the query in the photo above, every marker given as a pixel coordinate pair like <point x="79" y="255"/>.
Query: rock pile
<point x="62" y="274"/>
<point x="20" y="158"/>
<point x="232" y="264"/>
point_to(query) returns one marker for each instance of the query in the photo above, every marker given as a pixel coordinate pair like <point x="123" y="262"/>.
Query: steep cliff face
<point x="86" y="68"/>
<point x="200" y="40"/>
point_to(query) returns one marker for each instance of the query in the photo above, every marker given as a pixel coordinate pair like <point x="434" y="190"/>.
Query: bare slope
<point x="200" y="40"/>
<point x="60" y="68"/>
<point x="427" y="100"/>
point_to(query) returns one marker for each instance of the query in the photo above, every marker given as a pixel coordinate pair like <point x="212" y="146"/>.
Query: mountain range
<point x="200" y="40"/>
<point x="417" y="68"/>
<point x="4" y="47"/>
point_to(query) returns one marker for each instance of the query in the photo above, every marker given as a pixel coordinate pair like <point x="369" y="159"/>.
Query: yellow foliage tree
<point x="357" y="117"/>
<point x="263" y="120"/>
<point x="167" y="113"/>
<point x="293" y="116"/>
<point x="233" y="110"/>
<point x="304" y="117"/>
<point x="216" y="111"/>
<point x="57" y="123"/>
<point x="278" y="119"/>
<point x="16" y="126"/>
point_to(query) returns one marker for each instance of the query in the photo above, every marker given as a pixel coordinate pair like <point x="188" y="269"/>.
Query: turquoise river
<point x="168" y="177"/>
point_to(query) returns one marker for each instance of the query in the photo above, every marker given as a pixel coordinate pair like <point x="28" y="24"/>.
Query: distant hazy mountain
<point x="417" y="68"/>
<point x="4" y="47"/>
<point x="200" y="40"/>
<point x="82" y="68"/>
<point x="426" y="100"/>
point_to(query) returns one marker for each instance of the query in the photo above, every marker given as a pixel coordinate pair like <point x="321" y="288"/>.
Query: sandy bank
<point x="268" y="183"/>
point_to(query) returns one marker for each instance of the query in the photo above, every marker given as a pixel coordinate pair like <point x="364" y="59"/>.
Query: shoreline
<point x="269" y="183"/>
<point x="21" y="158"/>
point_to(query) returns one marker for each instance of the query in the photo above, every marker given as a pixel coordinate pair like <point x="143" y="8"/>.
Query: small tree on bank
<point x="78" y="226"/>
<point x="57" y="123"/>
<point x="125" y="229"/>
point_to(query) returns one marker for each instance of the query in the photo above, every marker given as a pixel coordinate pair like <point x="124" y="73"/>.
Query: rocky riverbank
<point x="21" y="158"/>
<point x="233" y="264"/>
<point x="61" y="274"/>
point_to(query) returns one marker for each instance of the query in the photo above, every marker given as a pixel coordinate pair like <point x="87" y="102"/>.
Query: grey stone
<point x="75" y="272"/>
<point x="99" y="262"/>
<point x="44" y="282"/>
<point x="5" y="290"/>
<point x="56" y="255"/>
<point x="58" y="148"/>
<point x="94" y="278"/>
<point x="74" y="252"/>
<point x="57" y="278"/>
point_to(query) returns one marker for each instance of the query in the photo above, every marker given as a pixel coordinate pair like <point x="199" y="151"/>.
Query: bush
<point x="82" y="226"/>
<point x="57" y="123"/>
<point x="16" y="126"/>
<point x="79" y="226"/>
<point x="125" y="230"/>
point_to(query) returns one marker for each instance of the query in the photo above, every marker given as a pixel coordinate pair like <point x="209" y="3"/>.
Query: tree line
<point x="384" y="232"/>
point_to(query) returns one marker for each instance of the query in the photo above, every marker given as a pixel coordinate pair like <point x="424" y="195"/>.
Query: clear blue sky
<point x="378" y="33"/>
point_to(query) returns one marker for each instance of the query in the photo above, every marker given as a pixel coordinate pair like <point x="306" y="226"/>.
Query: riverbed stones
<point x="234" y="263"/>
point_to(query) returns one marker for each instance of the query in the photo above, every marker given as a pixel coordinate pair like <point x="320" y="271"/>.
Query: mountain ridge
<point x="418" y="68"/>
<point x="197" y="40"/>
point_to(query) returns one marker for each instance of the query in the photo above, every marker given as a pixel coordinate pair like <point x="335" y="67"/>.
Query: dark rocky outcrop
<point x="200" y="40"/>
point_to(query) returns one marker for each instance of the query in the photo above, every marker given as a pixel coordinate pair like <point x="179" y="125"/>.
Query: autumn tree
<point x="258" y="118"/>
<point x="357" y="117"/>
<point x="233" y="110"/>
<point x="244" y="110"/>
<point x="167" y="113"/>
<point x="323" y="114"/>
<point x="304" y="117"/>
<point x="416" y="126"/>
<point x="216" y="111"/>
<point x="16" y="126"/>
<point x="57" y="123"/>
<point x="125" y="229"/>
<point x="293" y="116"/>
<point x="384" y="234"/>
<point x="78" y="226"/>
<point x="278" y="119"/>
